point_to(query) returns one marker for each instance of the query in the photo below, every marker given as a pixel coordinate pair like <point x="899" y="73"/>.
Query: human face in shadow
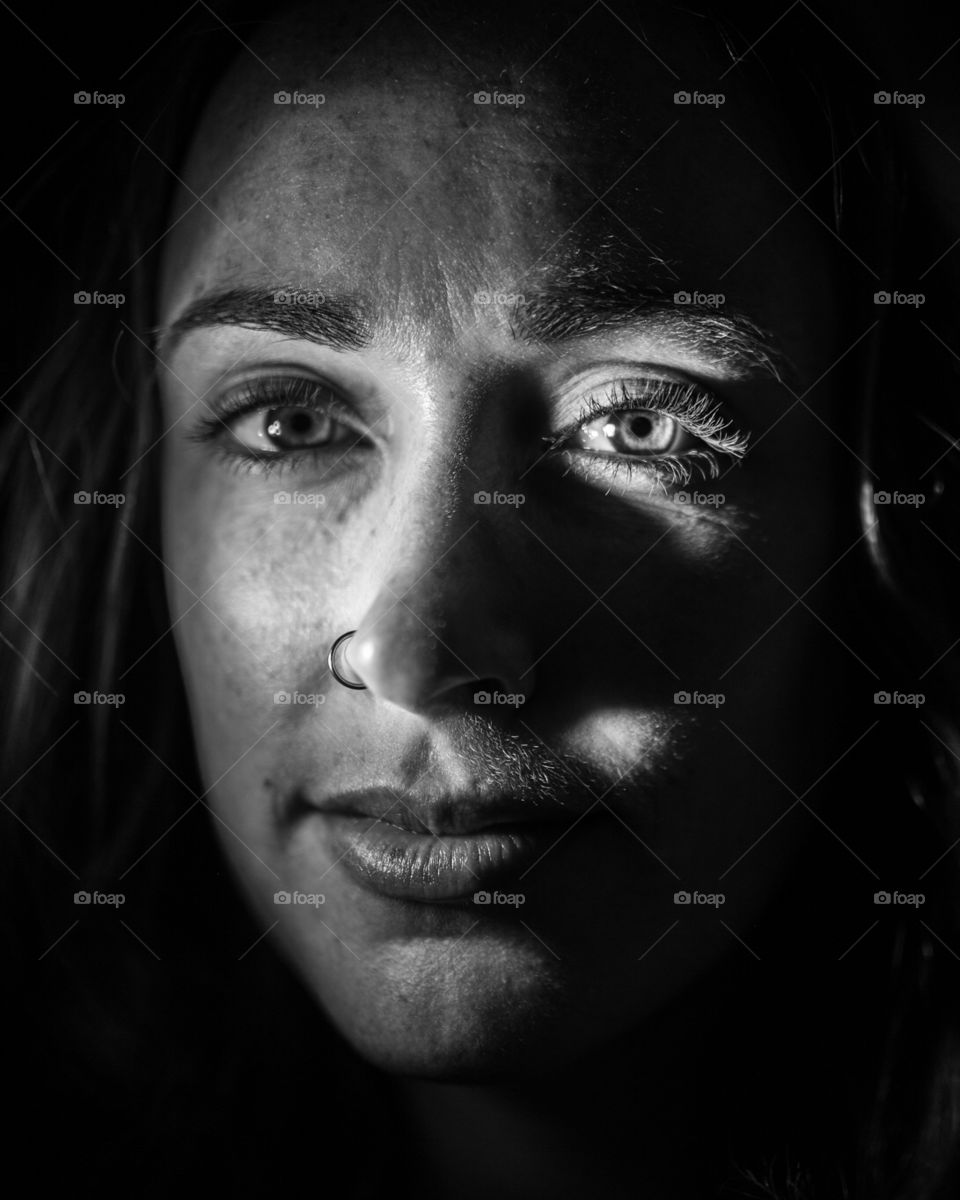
<point x="511" y="390"/>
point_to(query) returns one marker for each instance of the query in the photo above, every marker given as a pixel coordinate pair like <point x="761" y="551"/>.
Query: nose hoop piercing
<point x="339" y="667"/>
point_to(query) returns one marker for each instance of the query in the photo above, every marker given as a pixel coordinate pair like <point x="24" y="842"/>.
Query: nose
<point x="444" y="623"/>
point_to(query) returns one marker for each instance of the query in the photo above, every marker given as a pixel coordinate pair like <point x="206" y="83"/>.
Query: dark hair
<point x="166" y="1014"/>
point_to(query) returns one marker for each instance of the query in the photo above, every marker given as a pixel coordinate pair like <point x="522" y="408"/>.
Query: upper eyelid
<point x="696" y="393"/>
<point x="241" y="401"/>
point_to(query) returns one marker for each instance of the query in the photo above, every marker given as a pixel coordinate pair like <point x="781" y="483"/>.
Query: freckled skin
<point x="444" y="592"/>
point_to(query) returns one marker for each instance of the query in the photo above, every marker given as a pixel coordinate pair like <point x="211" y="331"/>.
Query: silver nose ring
<point x="340" y="669"/>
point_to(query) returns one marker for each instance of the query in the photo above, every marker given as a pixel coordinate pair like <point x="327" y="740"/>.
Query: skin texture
<point x="446" y="594"/>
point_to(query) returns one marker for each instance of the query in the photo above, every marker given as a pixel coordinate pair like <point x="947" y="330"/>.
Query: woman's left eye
<point x="640" y="431"/>
<point x="664" y="431"/>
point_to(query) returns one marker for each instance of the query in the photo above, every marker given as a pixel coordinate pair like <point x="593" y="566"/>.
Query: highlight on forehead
<point x="588" y="286"/>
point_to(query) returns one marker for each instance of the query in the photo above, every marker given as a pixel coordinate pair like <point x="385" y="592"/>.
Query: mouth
<point x="442" y="850"/>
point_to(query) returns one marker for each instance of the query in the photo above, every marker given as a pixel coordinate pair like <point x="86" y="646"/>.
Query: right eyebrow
<point x="336" y="321"/>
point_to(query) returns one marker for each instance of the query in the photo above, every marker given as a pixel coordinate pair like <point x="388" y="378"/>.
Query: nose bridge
<point x="433" y="511"/>
<point x="437" y="615"/>
<point x="430" y="507"/>
<point x="431" y="544"/>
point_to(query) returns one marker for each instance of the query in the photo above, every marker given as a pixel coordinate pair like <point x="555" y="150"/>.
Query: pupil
<point x="640" y="426"/>
<point x="300" y="422"/>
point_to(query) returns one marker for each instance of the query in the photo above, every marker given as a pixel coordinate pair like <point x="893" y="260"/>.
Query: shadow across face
<point x="519" y="335"/>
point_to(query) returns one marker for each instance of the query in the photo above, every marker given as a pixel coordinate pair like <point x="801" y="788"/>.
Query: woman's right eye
<point x="279" y="422"/>
<point x="284" y="429"/>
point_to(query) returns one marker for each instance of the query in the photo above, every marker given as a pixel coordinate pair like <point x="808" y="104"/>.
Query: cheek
<point x="713" y="637"/>
<point x="248" y="586"/>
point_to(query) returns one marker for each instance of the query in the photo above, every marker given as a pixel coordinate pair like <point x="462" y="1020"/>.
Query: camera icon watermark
<point x="701" y="299"/>
<point x="294" y="698"/>
<point x="300" y="297"/>
<point x="711" y="899"/>
<point x="706" y="499"/>
<point x="110" y="899"/>
<point x="95" y="699"/>
<point x="484" y="297"/>
<point x="504" y="99"/>
<point x="94" y="99"/>
<point x="312" y="899"/>
<point x="100" y="299"/>
<point x="900" y="99"/>
<point x="903" y="499"/>
<point x="710" y="699"/>
<point x="95" y="499"/>
<point x="304" y="499"/>
<point x="904" y="699"/>
<point x="308" y="99"/>
<point x="510" y="699"/>
<point x="900" y="299"/>
<point x="510" y="499"/>
<point x="904" y="899"/>
<point x="513" y="899"/>
<point x="700" y="99"/>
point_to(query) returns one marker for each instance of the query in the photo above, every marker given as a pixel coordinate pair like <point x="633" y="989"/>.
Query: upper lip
<point x="446" y="814"/>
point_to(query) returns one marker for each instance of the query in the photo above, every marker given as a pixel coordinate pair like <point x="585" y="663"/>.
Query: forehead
<point x="400" y="187"/>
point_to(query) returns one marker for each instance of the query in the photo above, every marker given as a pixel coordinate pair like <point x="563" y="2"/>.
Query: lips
<point x="441" y="849"/>
<point x="416" y="866"/>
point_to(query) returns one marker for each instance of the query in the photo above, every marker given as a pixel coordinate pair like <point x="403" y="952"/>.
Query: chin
<point x="461" y="1032"/>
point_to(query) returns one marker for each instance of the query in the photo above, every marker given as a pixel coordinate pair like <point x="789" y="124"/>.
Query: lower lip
<point x="416" y="866"/>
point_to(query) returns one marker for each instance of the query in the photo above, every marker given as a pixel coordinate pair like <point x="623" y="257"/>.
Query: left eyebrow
<point x="337" y="321"/>
<point x="583" y="309"/>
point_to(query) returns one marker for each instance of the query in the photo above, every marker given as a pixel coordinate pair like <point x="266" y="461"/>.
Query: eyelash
<point x="694" y="409"/>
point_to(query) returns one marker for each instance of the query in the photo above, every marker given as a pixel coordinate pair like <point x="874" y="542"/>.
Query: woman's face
<point x="381" y="308"/>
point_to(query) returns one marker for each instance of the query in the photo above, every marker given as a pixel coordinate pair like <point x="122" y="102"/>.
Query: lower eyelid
<point x="666" y="469"/>
<point x="249" y="462"/>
